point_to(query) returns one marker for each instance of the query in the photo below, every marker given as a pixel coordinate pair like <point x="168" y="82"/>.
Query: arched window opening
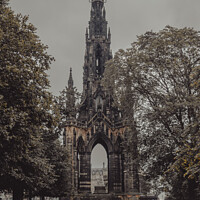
<point x="98" y="56"/>
<point x="97" y="62"/>
<point x="99" y="103"/>
<point x="99" y="170"/>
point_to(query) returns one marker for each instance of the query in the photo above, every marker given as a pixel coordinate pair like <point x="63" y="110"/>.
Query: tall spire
<point x="70" y="81"/>
<point x="92" y="1"/>
<point x="98" y="23"/>
<point x="97" y="51"/>
<point x="104" y="13"/>
<point x="109" y="34"/>
<point x="86" y="34"/>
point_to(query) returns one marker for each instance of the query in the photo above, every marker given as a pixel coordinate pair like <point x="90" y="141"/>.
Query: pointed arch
<point x="101" y="139"/>
<point x="99" y="169"/>
<point x="99" y="156"/>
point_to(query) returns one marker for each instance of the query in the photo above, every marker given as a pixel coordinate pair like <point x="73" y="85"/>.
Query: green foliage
<point x="68" y="103"/>
<point x="3" y="2"/>
<point x="59" y="158"/>
<point x="161" y="73"/>
<point x="189" y="153"/>
<point x="28" y="112"/>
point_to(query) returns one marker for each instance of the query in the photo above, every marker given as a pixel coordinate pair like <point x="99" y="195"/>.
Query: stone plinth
<point x="99" y="190"/>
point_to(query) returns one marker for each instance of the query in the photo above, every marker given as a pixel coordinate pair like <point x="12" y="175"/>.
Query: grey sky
<point x="98" y="157"/>
<point x="61" y="25"/>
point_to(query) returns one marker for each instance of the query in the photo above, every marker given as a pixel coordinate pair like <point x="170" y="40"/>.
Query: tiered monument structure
<point x="98" y="121"/>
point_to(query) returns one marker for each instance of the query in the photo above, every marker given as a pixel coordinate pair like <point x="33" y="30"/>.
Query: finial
<point x="86" y="34"/>
<point x="104" y="1"/>
<point x="104" y="12"/>
<point x="70" y="81"/>
<point x="109" y="34"/>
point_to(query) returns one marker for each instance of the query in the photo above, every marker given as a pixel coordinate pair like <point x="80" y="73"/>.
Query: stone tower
<point x="97" y="120"/>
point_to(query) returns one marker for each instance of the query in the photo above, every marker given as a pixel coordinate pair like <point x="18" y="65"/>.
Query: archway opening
<point x="99" y="170"/>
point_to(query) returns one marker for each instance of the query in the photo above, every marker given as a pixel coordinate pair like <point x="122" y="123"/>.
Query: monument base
<point x="104" y="197"/>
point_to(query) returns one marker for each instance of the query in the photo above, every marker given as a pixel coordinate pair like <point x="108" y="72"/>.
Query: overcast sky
<point x="61" y="25"/>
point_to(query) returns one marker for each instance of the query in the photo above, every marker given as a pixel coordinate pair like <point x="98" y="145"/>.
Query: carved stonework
<point x="97" y="120"/>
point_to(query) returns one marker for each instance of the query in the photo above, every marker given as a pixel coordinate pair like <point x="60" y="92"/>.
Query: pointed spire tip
<point x="70" y="81"/>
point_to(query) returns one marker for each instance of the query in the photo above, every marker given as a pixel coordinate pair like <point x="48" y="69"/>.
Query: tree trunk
<point x="192" y="189"/>
<point x="18" y="192"/>
<point x="30" y="195"/>
<point x="42" y="198"/>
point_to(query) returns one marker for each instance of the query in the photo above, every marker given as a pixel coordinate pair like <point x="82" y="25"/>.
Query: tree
<point x="60" y="160"/>
<point x="119" y="86"/>
<point x="159" y="67"/>
<point x="28" y="111"/>
<point x="189" y="154"/>
<point x="68" y="101"/>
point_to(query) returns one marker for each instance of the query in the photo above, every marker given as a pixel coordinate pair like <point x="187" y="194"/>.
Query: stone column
<point x="85" y="173"/>
<point x="111" y="173"/>
<point x="136" y="185"/>
<point x="115" y="173"/>
<point x="118" y="173"/>
<point x="75" y="171"/>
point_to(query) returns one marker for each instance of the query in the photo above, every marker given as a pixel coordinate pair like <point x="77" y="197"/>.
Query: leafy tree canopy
<point x="160" y="73"/>
<point x="28" y="112"/>
<point x="68" y="103"/>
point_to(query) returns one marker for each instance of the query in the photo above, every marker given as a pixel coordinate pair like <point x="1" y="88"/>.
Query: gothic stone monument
<point x="98" y="121"/>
